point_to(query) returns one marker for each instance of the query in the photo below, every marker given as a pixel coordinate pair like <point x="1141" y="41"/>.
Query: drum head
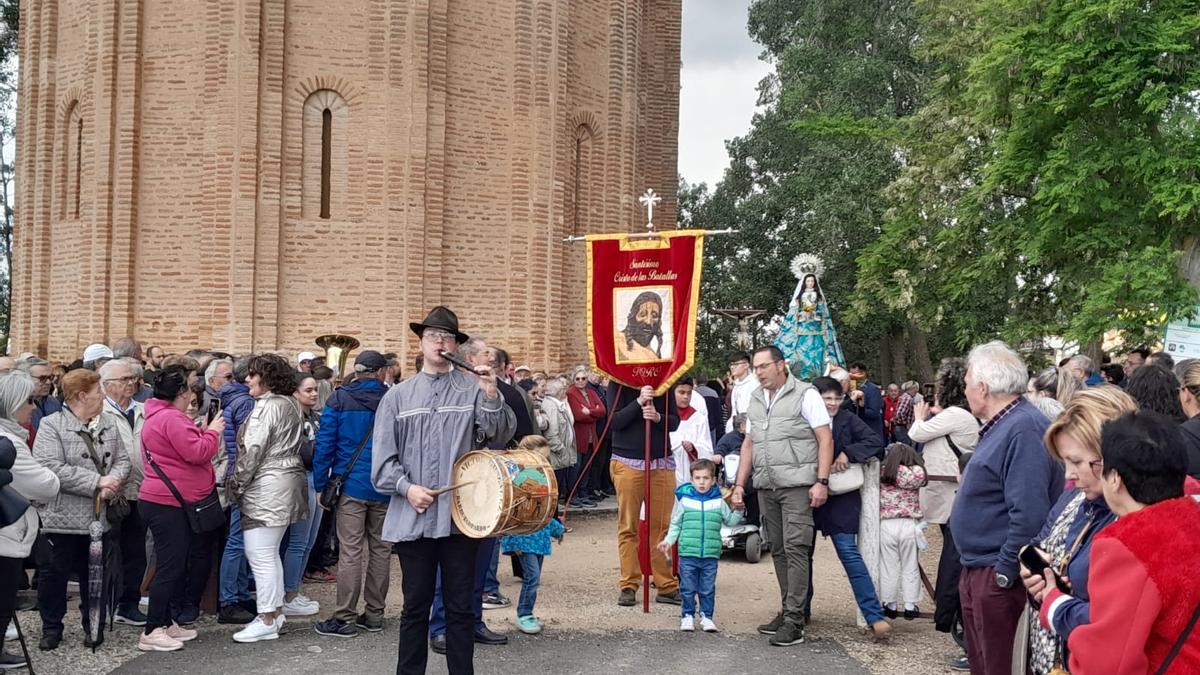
<point x="477" y="508"/>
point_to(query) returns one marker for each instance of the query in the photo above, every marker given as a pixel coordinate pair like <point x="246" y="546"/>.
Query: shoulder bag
<point x="1162" y="670"/>
<point x="333" y="491"/>
<point x="203" y="516"/>
<point x="850" y="480"/>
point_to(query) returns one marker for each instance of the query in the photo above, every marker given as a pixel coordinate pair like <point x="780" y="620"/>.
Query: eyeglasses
<point x="763" y="366"/>
<point x="438" y="336"/>
<point x="44" y="378"/>
<point x="1097" y="465"/>
<point x="128" y="379"/>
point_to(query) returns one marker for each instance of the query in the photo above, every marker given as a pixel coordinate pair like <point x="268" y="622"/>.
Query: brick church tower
<point x="250" y="174"/>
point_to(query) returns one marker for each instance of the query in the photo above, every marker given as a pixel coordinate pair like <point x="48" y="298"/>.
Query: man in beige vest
<point x="789" y="449"/>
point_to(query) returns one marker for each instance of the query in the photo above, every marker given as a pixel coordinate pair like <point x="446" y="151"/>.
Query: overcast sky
<point x="719" y="81"/>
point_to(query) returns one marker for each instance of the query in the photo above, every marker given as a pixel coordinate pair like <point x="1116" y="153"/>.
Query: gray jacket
<point x="785" y="447"/>
<point x="423" y="425"/>
<point x="60" y="447"/>
<point x="269" y="479"/>
<point x="131" y="438"/>
<point x="560" y="434"/>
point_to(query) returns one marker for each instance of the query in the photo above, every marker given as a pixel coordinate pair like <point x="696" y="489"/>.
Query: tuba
<point x="337" y="350"/>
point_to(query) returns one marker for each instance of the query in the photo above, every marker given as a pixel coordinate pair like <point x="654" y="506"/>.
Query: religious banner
<point x="642" y="295"/>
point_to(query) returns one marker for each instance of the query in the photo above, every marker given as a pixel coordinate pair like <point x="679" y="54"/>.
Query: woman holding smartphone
<point x="1066" y="538"/>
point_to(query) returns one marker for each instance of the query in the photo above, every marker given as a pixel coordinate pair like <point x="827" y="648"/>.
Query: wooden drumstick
<point x="442" y="490"/>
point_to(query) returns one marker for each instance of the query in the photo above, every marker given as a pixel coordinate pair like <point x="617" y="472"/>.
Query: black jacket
<point x="839" y="514"/>
<point x="1191" y="443"/>
<point x="628" y="430"/>
<point x="513" y="399"/>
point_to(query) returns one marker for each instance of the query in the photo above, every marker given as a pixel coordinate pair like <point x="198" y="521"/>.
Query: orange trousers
<point x="630" y="493"/>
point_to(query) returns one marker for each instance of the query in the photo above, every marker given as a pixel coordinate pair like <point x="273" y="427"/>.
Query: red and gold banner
<point x="642" y="298"/>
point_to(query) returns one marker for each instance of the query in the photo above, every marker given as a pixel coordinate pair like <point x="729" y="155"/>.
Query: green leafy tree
<point x="809" y="174"/>
<point x="1051" y="179"/>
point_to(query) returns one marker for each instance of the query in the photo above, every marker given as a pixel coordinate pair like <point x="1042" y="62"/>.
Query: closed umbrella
<point x="95" y="580"/>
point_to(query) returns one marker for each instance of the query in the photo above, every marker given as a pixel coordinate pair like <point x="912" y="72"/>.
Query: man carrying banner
<point x="789" y="448"/>
<point x="628" y="467"/>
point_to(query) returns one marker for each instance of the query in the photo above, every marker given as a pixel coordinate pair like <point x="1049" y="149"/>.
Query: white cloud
<point x="716" y="103"/>
<point x="718" y="85"/>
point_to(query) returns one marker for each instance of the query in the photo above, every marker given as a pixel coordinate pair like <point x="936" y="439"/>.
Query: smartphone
<point x="1031" y="558"/>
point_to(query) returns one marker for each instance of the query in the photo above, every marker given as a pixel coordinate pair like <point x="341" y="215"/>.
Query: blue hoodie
<point x="349" y="416"/>
<point x="236" y="406"/>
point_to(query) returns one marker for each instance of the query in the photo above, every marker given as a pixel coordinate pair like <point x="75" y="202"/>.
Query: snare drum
<point x="505" y="493"/>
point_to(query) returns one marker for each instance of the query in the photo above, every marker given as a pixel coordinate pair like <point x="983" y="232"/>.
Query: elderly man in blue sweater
<point x="1004" y="498"/>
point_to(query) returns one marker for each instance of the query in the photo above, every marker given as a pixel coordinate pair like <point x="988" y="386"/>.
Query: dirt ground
<point x="579" y="593"/>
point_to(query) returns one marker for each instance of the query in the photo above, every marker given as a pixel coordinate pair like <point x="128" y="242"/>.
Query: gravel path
<point x="577" y="600"/>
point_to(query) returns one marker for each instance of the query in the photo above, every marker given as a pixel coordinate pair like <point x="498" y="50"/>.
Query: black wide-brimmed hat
<point x="443" y="318"/>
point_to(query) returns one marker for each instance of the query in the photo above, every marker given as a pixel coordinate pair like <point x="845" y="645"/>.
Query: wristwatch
<point x="823" y="481"/>
<point x="1003" y="581"/>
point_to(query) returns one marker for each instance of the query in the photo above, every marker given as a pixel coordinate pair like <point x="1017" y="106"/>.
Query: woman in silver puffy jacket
<point x="270" y="486"/>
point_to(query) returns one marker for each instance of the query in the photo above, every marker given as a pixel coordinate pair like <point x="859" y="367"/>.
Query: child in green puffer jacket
<point x="696" y="525"/>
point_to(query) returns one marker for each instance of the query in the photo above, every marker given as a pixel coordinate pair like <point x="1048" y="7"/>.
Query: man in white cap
<point x="521" y="374"/>
<point x="96" y="355"/>
<point x="304" y="361"/>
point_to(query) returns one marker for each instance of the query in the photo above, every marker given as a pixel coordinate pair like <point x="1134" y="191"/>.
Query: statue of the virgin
<point x="807" y="337"/>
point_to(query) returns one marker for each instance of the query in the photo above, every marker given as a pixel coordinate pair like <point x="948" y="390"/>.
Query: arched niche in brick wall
<point x="326" y="127"/>
<point x="71" y="172"/>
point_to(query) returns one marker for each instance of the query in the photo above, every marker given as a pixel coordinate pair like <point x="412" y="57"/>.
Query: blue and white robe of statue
<point x="808" y="339"/>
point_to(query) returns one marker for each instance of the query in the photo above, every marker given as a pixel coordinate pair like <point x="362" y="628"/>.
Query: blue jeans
<point x="235" y="573"/>
<point x="437" y="617"/>
<point x="491" y="583"/>
<point x="531" y="563"/>
<point x="846" y="546"/>
<point x="697" y="576"/>
<point x="299" y="541"/>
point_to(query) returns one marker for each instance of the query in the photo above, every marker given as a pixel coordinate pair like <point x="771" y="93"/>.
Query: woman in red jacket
<point x="587" y="408"/>
<point x="1144" y="579"/>
<point x="172" y="444"/>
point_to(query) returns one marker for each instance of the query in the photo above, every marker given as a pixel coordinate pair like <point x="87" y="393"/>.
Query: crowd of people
<point x="255" y="474"/>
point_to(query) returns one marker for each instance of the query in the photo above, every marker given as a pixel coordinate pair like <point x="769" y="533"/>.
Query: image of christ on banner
<point x="643" y="330"/>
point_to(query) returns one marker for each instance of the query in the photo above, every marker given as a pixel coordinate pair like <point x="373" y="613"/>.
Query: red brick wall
<point x="458" y="170"/>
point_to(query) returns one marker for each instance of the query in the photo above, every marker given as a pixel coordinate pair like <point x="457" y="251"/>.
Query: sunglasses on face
<point x="44" y="378"/>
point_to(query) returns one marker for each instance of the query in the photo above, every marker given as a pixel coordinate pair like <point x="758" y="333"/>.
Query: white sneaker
<point x="707" y="625"/>
<point x="301" y="606"/>
<point x="11" y="633"/>
<point x="256" y="630"/>
<point x="687" y="624"/>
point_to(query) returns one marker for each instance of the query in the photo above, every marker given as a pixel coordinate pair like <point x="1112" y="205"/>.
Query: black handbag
<point x="333" y="491"/>
<point x="203" y="516"/>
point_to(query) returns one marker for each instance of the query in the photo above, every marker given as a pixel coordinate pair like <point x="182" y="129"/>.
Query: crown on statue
<point x="807" y="263"/>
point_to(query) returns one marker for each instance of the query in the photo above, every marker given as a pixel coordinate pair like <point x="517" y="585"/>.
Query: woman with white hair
<point x="30" y="479"/>
<point x="560" y="432"/>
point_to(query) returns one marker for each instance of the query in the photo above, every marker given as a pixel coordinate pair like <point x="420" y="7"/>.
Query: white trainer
<point x="687" y="624"/>
<point x="707" y="625"/>
<point x="256" y="631"/>
<point x="301" y="606"/>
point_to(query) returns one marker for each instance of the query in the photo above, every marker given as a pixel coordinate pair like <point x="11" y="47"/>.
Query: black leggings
<point x="180" y="557"/>
<point x="11" y="572"/>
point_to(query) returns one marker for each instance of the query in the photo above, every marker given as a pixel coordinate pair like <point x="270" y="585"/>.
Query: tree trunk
<point x="920" y="352"/>
<point x="885" y="360"/>
<point x="899" y="346"/>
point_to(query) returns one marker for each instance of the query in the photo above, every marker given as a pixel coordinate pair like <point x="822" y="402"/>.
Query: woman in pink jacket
<point x="174" y="447"/>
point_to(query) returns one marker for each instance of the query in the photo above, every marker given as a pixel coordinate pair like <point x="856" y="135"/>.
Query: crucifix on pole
<point x="650" y="200"/>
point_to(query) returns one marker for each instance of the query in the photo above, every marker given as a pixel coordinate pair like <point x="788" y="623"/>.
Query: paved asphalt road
<point x="557" y="652"/>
